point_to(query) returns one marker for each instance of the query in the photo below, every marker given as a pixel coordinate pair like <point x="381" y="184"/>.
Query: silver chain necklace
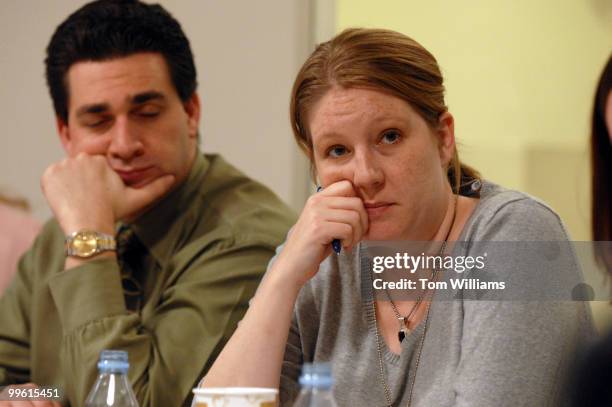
<point x="402" y="319"/>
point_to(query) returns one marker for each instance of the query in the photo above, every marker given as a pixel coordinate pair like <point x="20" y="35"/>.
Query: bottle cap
<point x="113" y="361"/>
<point x="317" y="375"/>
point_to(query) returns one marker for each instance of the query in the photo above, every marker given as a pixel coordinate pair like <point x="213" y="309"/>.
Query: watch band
<point x="88" y="243"/>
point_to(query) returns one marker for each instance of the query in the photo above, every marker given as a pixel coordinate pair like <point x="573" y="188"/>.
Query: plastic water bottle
<point x="112" y="387"/>
<point x="316" y="381"/>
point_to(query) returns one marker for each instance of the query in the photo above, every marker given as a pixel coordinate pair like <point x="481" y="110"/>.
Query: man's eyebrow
<point x="144" y="97"/>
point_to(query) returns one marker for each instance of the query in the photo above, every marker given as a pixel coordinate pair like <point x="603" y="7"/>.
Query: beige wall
<point x="520" y="77"/>
<point x="247" y="54"/>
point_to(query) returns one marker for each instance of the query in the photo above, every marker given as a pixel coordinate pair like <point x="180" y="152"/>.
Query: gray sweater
<point x="475" y="353"/>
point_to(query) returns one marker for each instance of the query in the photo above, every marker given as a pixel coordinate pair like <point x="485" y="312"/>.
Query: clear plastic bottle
<point x="112" y="387"/>
<point x="316" y="381"/>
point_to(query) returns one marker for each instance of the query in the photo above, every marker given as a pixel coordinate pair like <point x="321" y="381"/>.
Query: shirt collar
<point x="159" y="228"/>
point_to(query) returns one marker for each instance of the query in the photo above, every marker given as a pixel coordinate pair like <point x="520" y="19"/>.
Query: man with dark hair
<point x="155" y="248"/>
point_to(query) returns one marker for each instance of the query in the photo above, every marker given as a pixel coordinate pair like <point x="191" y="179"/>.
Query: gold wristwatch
<point x="88" y="243"/>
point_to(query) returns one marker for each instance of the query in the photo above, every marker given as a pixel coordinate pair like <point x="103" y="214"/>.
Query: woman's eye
<point x="336" y="151"/>
<point x="390" y="137"/>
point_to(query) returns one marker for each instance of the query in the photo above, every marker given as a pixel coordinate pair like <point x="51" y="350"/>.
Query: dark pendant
<point x="401" y="335"/>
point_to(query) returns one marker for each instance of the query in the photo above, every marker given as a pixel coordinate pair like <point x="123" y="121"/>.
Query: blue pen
<point x="336" y="242"/>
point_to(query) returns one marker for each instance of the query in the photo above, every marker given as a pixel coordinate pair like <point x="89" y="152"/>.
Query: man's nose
<point x="368" y="175"/>
<point x="125" y="140"/>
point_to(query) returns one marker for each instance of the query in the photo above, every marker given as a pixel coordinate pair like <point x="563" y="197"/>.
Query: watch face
<point x="85" y="243"/>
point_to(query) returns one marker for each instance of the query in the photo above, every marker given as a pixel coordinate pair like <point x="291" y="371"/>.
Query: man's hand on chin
<point x="85" y="193"/>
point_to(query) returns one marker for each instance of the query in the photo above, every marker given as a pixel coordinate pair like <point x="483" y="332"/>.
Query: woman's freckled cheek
<point x="329" y="176"/>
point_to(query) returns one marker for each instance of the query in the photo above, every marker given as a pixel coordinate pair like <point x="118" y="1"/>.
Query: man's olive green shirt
<point x="208" y="243"/>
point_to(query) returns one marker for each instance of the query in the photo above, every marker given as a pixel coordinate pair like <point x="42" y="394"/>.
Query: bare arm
<point x="254" y="354"/>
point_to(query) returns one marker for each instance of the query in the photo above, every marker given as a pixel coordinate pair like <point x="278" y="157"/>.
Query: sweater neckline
<point x="411" y="341"/>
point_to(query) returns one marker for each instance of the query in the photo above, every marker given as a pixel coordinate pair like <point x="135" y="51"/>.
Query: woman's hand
<point x="334" y="213"/>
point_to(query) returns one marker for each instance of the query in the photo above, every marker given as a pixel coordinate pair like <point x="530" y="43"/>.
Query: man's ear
<point x="446" y="138"/>
<point x="64" y="134"/>
<point x="192" y="108"/>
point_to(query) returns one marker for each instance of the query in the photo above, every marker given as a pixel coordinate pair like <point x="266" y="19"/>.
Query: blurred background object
<point x="592" y="381"/>
<point x="17" y="231"/>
